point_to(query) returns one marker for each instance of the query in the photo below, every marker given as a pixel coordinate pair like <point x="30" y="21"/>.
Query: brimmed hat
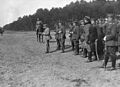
<point x="87" y="17"/>
<point x="45" y="25"/>
<point x="110" y="15"/>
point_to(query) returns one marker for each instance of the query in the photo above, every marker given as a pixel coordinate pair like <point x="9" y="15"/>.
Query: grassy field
<point x="23" y="63"/>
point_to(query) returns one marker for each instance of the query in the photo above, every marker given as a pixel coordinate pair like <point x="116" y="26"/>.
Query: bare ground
<point x="23" y="63"/>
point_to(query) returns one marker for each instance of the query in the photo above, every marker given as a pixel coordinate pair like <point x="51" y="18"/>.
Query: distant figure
<point x="47" y="35"/>
<point x="1" y="31"/>
<point x="62" y="36"/>
<point x="76" y="37"/>
<point x="39" y="30"/>
<point x="70" y="35"/>
<point x="57" y="37"/>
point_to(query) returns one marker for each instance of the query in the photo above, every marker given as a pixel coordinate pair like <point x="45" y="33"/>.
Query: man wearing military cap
<point x="110" y="39"/>
<point x="76" y="36"/>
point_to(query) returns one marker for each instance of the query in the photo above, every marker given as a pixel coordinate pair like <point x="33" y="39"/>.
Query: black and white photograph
<point x="59" y="43"/>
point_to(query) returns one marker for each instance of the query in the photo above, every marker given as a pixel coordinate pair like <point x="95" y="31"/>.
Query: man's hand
<point x="105" y="38"/>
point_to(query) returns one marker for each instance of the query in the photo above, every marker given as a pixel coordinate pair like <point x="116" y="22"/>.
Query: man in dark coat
<point x="100" y="43"/>
<point x="110" y="42"/>
<point x="76" y="37"/>
<point x="91" y="41"/>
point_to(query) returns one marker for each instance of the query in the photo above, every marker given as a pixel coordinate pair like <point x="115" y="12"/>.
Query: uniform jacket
<point x="118" y="27"/>
<point x="111" y="34"/>
<point x="62" y="32"/>
<point x="57" y="35"/>
<point x="70" y="32"/>
<point x="92" y="34"/>
<point x="76" y="33"/>
<point x="47" y="33"/>
<point x="100" y="31"/>
<point x="86" y="31"/>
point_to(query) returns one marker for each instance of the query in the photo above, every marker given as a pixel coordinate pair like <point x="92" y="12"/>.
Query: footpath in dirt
<point x="23" y="63"/>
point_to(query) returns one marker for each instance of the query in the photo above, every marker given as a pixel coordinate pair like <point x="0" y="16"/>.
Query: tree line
<point x="71" y="12"/>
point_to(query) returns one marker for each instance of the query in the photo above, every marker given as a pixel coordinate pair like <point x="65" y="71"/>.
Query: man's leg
<point x="72" y="43"/>
<point x="113" y="56"/>
<point x="85" y="52"/>
<point x="76" y="47"/>
<point x="47" y="46"/>
<point x="63" y="45"/>
<point x="58" y="44"/>
<point x="39" y="37"/>
<point x="107" y="55"/>
<point x="42" y="37"/>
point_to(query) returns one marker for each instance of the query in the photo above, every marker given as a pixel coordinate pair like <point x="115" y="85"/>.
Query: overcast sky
<point x="10" y="10"/>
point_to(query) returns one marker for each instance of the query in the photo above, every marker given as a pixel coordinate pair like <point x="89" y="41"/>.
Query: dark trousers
<point x="62" y="41"/>
<point x="72" y="44"/>
<point x="76" y="43"/>
<point x="85" y="52"/>
<point x="110" y="53"/>
<point x="92" y="47"/>
<point x="58" y="44"/>
<point x="47" y="46"/>
<point x="40" y="38"/>
<point x="100" y="48"/>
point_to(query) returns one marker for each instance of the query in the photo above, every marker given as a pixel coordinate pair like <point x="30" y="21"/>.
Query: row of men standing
<point x="103" y="38"/>
<point x="88" y="34"/>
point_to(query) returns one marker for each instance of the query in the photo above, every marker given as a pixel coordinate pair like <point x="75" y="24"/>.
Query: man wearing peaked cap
<point x="76" y="37"/>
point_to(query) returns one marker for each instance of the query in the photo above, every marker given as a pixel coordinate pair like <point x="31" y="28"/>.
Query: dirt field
<point x="23" y="63"/>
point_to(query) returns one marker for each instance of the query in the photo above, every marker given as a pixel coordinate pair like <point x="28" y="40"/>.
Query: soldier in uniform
<point x="62" y="35"/>
<point x="70" y="35"/>
<point x="57" y="37"/>
<point x="82" y="38"/>
<point x="100" y="44"/>
<point x="91" y="42"/>
<point x="47" y="35"/>
<point x="87" y="24"/>
<point x="110" y="42"/>
<point x="118" y="26"/>
<point x="76" y="37"/>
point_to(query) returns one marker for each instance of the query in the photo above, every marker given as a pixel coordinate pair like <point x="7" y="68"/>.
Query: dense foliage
<point x="79" y="9"/>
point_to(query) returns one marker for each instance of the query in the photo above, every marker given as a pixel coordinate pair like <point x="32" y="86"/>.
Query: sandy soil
<point x="23" y="63"/>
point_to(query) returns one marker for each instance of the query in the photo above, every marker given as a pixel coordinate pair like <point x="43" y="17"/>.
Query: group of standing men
<point x="100" y="38"/>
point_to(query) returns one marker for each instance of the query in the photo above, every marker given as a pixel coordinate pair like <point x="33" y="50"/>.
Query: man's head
<point x="59" y="23"/>
<point x="109" y="17"/>
<point x="87" y="19"/>
<point x="75" y="23"/>
<point x="82" y="22"/>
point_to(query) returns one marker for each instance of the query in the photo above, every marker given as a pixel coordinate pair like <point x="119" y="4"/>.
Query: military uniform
<point x="85" y="35"/>
<point x="57" y="37"/>
<point x="118" y="26"/>
<point x="111" y="43"/>
<point x="62" y="35"/>
<point x="91" y="42"/>
<point x="70" y="35"/>
<point x="75" y="38"/>
<point x="100" y="43"/>
<point x="47" y="38"/>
